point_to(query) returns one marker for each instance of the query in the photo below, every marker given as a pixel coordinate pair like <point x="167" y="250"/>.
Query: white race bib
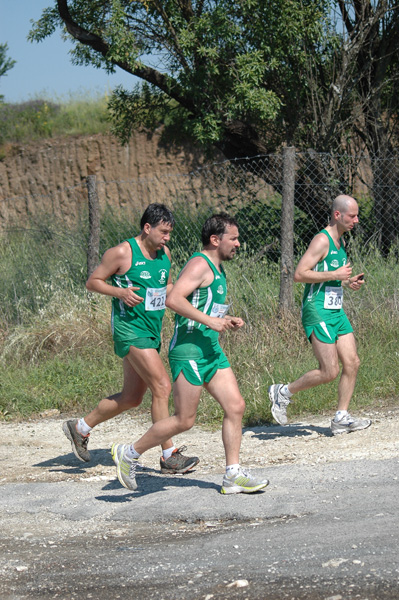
<point x="219" y="310"/>
<point x="333" y="297"/>
<point x="155" y="298"/>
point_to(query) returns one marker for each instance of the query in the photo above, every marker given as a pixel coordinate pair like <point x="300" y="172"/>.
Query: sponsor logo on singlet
<point x="162" y="276"/>
<point x="334" y="263"/>
<point x="139" y="262"/>
<point x="145" y="275"/>
<point x="220" y="289"/>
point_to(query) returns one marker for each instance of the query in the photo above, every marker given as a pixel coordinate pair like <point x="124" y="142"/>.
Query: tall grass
<point x="56" y="349"/>
<point x="81" y="114"/>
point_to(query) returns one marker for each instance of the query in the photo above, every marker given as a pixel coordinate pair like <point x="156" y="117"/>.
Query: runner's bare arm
<point x="169" y="285"/>
<point x="114" y="260"/>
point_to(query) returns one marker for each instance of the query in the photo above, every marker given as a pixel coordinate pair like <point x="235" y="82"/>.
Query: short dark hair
<point x="216" y="225"/>
<point x="157" y="213"/>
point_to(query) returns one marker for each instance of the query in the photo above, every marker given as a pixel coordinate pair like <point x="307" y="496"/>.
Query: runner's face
<point x="229" y="243"/>
<point x="159" y="235"/>
<point x="349" y="218"/>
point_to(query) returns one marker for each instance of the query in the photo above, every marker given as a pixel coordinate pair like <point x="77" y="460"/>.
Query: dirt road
<point x="40" y="451"/>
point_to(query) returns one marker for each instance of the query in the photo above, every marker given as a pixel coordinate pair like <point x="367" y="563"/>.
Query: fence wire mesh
<point x="47" y="233"/>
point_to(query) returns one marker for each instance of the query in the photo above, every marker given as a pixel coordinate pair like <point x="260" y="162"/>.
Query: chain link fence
<point x="280" y="202"/>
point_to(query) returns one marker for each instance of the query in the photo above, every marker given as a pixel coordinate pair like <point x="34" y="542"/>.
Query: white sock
<point x="285" y="391"/>
<point x="82" y="427"/>
<point x="168" y="452"/>
<point x="340" y="414"/>
<point x="131" y="452"/>
<point x="232" y="469"/>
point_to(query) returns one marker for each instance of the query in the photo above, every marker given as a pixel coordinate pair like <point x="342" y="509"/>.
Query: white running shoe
<point x="279" y="403"/>
<point x="348" y="424"/>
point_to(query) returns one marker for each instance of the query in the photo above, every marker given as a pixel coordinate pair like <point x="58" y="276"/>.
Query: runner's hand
<point x="220" y="325"/>
<point x="343" y="273"/>
<point x="128" y="296"/>
<point x="356" y="282"/>
<point x="236" y="322"/>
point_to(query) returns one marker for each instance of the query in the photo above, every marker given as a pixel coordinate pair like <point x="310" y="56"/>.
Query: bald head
<point x="343" y="203"/>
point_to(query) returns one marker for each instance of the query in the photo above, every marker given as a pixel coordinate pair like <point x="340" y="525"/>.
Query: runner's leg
<point x="224" y="388"/>
<point x="186" y="399"/>
<point x="131" y="396"/>
<point x="347" y="353"/>
<point x="327" y="356"/>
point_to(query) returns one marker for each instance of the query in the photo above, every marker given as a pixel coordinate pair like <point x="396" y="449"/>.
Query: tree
<point x="5" y="63"/>
<point x="227" y="71"/>
<point x="248" y="77"/>
<point x="353" y="97"/>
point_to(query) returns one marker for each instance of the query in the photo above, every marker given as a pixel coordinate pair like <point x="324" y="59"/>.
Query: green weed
<point x="56" y="349"/>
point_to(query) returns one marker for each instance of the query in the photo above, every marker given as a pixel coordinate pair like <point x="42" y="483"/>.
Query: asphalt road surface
<point x="322" y="531"/>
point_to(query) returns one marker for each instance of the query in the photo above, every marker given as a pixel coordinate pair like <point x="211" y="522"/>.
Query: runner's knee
<point x="131" y="400"/>
<point x="236" y="408"/>
<point x="330" y="372"/>
<point x="352" y="366"/>
<point x="161" y="388"/>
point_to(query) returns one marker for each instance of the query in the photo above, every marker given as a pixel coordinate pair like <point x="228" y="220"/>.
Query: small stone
<point x="239" y="583"/>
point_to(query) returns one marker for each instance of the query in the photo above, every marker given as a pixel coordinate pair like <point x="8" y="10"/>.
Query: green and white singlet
<point x="192" y="340"/>
<point x="322" y="302"/>
<point x="150" y="275"/>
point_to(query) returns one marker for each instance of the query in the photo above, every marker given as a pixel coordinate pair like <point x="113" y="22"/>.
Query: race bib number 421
<point x="155" y="298"/>
<point x="333" y="297"/>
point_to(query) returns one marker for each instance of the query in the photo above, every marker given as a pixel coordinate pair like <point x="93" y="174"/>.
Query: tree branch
<point x="164" y="82"/>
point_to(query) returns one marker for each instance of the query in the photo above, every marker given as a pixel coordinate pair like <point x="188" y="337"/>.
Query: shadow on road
<point x="292" y="430"/>
<point x="101" y="456"/>
<point x="150" y="484"/>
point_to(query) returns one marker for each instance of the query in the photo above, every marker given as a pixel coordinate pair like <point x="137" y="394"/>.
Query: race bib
<point x="333" y="297"/>
<point x="219" y="310"/>
<point x="155" y="298"/>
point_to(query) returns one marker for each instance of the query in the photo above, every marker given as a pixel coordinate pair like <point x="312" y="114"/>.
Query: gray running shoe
<point x="243" y="482"/>
<point x="279" y="403"/>
<point x="348" y="424"/>
<point x="126" y="467"/>
<point x="177" y="462"/>
<point x="78" y="441"/>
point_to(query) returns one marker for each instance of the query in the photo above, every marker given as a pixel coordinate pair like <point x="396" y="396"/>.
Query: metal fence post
<point x="286" y="298"/>
<point x="93" y="248"/>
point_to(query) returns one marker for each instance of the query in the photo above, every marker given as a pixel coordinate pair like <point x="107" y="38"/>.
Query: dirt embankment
<point x="50" y="175"/>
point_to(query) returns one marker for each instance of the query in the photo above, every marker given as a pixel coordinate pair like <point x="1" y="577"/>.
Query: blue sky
<point x="44" y="69"/>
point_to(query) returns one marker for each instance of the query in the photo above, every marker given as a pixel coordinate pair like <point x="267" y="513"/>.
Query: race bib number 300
<point x="155" y="298"/>
<point x="333" y="297"/>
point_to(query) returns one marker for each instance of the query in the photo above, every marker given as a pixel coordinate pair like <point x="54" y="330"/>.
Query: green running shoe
<point x="125" y="467"/>
<point x="243" y="482"/>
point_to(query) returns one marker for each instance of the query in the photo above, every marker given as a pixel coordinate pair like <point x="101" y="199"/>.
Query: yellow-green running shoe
<point x="242" y="482"/>
<point x="125" y="467"/>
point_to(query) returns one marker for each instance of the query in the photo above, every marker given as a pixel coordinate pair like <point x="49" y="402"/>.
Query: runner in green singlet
<point x="197" y="360"/>
<point x="325" y="271"/>
<point x="139" y="270"/>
